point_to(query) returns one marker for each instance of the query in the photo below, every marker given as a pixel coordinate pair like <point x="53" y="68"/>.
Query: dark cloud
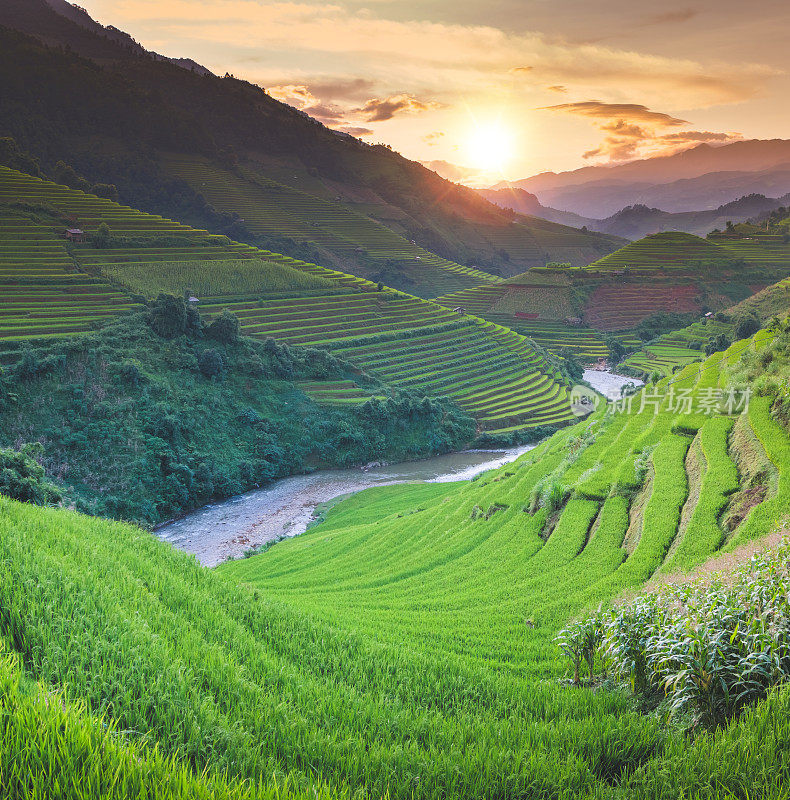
<point x="671" y="17"/>
<point x="376" y="110"/>
<point x="558" y="88"/>
<point x="355" y="131"/>
<point x="631" y="112"/>
<point x="350" y="89"/>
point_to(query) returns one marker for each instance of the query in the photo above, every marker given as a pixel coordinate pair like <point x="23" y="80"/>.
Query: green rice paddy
<point x="404" y="646"/>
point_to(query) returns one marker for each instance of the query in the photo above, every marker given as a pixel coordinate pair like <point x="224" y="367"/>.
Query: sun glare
<point x="490" y="147"/>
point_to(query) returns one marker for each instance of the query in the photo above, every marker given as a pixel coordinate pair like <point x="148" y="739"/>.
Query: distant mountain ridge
<point x="750" y="155"/>
<point x="21" y="14"/>
<point x="701" y="178"/>
<point x="639" y="220"/>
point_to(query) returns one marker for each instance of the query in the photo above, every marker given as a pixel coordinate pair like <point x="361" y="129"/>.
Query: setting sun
<point x="489" y="146"/>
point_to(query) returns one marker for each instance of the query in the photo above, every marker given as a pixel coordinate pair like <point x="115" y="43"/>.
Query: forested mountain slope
<point x="160" y="133"/>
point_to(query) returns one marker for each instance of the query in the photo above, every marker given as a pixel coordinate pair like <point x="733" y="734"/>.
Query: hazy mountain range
<point x="698" y="179"/>
<point x="638" y="220"/>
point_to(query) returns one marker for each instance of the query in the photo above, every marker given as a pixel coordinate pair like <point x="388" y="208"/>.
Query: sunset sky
<point x="491" y="90"/>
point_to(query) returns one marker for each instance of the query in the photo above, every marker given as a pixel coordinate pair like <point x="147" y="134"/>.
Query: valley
<point x="324" y="477"/>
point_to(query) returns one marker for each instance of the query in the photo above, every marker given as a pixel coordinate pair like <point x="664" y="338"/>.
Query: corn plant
<point x="713" y="646"/>
<point x="571" y="641"/>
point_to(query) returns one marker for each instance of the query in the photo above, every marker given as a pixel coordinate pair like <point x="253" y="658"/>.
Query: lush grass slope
<point x="53" y="747"/>
<point x="224" y="676"/>
<point x="404" y="646"/>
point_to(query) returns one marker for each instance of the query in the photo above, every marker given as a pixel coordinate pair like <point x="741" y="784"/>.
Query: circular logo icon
<point x="583" y="400"/>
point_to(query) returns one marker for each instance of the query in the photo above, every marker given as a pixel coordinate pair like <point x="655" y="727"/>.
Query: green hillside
<point x="489" y="370"/>
<point x="661" y="251"/>
<point x="340" y="231"/>
<point x="223" y="155"/>
<point x="405" y="646"/>
<point x="772" y="301"/>
<point x="668" y="352"/>
<point x="156" y="414"/>
<point x="665" y="273"/>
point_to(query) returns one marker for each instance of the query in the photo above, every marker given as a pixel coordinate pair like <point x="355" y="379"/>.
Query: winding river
<point x="225" y="530"/>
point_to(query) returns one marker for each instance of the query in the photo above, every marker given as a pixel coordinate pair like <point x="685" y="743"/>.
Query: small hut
<point x="75" y="235"/>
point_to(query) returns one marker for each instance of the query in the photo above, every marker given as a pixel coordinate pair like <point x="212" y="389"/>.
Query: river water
<point x="225" y="530"/>
<point x="607" y="383"/>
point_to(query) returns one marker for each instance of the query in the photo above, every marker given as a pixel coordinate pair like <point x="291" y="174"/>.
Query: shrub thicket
<point x="131" y="403"/>
<point x="22" y="477"/>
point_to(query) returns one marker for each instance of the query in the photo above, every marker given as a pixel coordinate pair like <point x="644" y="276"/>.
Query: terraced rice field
<point x="486" y="574"/>
<point x="677" y="349"/>
<point x="448" y="600"/>
<point x="535" y="305"/>
<point x="42" y="293"/>
<point x="86" y="210"/>
<point x="268" y="207"/>
<point x="335" y="392"/>
<point x="542" y="295"/>
<point x="759" y="251"/>
<point x="240" y="276"/>
<point x="617" y="307"/>
<point x="669" y="250"/>
<point x="489" y="370"/>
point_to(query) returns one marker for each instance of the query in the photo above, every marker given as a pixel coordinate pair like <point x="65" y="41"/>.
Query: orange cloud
<point x="632" y="112"/>
<point x="633" y="130"/>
